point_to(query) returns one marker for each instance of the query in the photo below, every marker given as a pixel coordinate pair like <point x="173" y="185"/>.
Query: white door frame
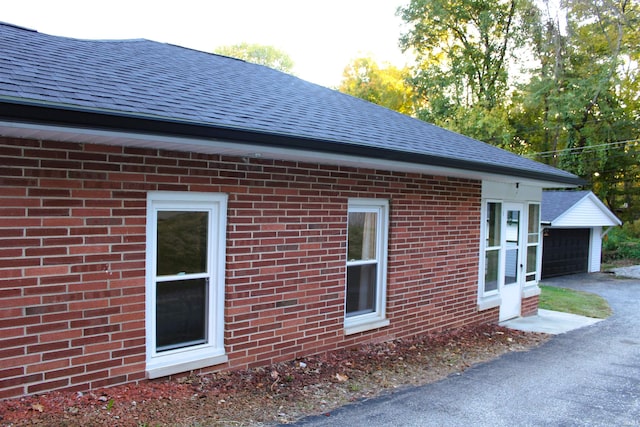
<point x="514" y="248"/>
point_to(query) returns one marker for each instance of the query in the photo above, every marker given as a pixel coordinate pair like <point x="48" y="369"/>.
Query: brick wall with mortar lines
<point x="530" y="306"/>
<point x="72" y="257"/>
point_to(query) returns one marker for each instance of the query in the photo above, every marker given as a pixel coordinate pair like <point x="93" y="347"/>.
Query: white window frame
<point x="212" y="352"/>
<point x="376" y="319"/>
<point x="531" y="287"/>
<point x="491" y="298"/>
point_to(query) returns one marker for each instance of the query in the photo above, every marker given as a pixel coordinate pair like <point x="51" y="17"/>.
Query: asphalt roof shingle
<point x="555" y="203"/>
<point x="166" y="82"/>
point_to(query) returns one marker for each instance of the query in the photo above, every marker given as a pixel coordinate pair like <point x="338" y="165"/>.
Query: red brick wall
<point x="530" y="306"/>
<point x="72" y="257"/>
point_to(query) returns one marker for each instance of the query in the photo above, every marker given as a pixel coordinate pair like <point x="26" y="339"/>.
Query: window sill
<point x="157" y="370"/>
<point x="362" y="327"/>
<point x="530" y="291"/>
<point x="485" y="303"/>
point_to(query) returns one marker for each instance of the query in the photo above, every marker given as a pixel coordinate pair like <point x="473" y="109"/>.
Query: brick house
<point x="164" y="210"/>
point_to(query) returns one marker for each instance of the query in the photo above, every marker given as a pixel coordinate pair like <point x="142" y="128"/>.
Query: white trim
<point x="212" y="352"/>
<point x="485" y="303"/>
<point x="562" y="222"/>
<point x="512" y="298"/>
<point x="223" y="147"/>
<point x="176" y="368"/>
<point x="349" y="330"/>
<point x="595" y="249"/>
<point x="486" y="298"/>
<point x="376" y="319"/>
<point x="538" y="266"/>
<point x="530" y="291"/>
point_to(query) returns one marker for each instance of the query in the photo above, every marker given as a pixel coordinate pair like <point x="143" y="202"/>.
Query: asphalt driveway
<point x="586" y="377"/>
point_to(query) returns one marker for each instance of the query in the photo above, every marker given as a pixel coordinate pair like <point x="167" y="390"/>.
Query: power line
<point x="585" y="149"/>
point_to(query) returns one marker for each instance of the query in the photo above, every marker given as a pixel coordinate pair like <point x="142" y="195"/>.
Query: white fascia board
<point x="245" y="150"/>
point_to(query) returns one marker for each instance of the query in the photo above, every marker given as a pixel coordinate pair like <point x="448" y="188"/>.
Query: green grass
<point x="576" y="302"/>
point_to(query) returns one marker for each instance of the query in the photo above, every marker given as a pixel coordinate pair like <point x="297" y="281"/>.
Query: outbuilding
<point x="166" y="211"/>
<point x="574" y="223"/>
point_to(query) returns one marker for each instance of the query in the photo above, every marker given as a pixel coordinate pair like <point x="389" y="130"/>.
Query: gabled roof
<point x="141" y="87"/>
<point x="575" y="209"/>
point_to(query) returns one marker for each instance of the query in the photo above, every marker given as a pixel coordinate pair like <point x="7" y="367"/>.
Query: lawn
<point x="576" y="302"/>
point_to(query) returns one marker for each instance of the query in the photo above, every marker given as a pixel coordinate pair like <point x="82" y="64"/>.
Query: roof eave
<point x="71" y="116"/>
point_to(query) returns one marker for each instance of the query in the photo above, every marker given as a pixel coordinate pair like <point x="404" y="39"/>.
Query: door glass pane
<point x="491" y="270"/>
<point x="494" y="215"/>
<point x="513" y="244"/>
<point x="532" y="258"/>
<point x="181" y="313"/>
<point x="361" y="289"/>
<point x="362" y="236"/>
<point x="181" y="242"/>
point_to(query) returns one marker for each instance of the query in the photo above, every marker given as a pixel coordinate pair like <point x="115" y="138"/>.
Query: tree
<point x="580" y="110"/>
<point x="464" y="49"/>
<point x="258" y="54"/>
<point x="386" y="86"/>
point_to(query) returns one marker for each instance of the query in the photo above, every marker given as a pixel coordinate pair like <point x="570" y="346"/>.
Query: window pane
<point x="361" y="288"/>
<point x="491" y="270"/>
<point x="532" y="258"/>
<point x="512" y="252"/>
<point x="182" y="242"/>
<point x="494" y="214"/>
<point x="362" y="236"/>
<point x="534" y="223"/>
<point x="534" y="218"/>
<point x="181" y="313"/>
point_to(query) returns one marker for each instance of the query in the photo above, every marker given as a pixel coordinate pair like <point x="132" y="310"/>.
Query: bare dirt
<point x="281" y="393"/>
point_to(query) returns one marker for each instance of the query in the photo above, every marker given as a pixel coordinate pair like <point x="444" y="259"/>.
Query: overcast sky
<point x="321" y="37"/>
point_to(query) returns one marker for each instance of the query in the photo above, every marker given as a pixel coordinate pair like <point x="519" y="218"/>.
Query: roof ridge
<point x="20" y="27"/>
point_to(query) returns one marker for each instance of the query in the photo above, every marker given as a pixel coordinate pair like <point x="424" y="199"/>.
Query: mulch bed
<point x="280" y="393"/>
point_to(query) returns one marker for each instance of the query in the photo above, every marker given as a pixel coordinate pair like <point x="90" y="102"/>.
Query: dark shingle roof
<point x="159" y="82"/>
<point x="555" y="203"/>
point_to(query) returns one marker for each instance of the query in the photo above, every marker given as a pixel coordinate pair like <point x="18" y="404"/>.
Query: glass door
<point x="511" y="285"/>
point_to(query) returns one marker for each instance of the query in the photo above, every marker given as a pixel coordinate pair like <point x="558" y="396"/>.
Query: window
<point x="493" y="245"/>
<point x="533" y="242"/>
<point x="366" y="265"/>
<point x="185" y="281"/>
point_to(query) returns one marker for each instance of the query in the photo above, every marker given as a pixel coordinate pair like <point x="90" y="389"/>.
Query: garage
<point x="573" y="224"/>
<point x="565" y="251"/>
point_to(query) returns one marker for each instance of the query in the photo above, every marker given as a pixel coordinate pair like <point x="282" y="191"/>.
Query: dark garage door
<point x="565" y="251"/>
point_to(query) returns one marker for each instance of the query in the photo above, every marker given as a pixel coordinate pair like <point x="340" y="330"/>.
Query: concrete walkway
<point x="550" y="322"/>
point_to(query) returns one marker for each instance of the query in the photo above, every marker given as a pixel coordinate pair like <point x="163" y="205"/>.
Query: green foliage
<point x="580" y="109"/>
<point x="387" y="86"/>
<point x="466" y="50"/>
<point x="622" y="243"/>
<point x="576" y="104"/>
<point x="488" y="125"/>
<point x="463" y="50"/>
<point x="259" y="54"/>
<point x="576" y="302"/>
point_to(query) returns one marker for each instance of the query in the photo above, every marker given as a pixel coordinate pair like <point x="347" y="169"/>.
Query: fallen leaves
<point x="342" y="378"/>
<point x="276" y="394"/>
